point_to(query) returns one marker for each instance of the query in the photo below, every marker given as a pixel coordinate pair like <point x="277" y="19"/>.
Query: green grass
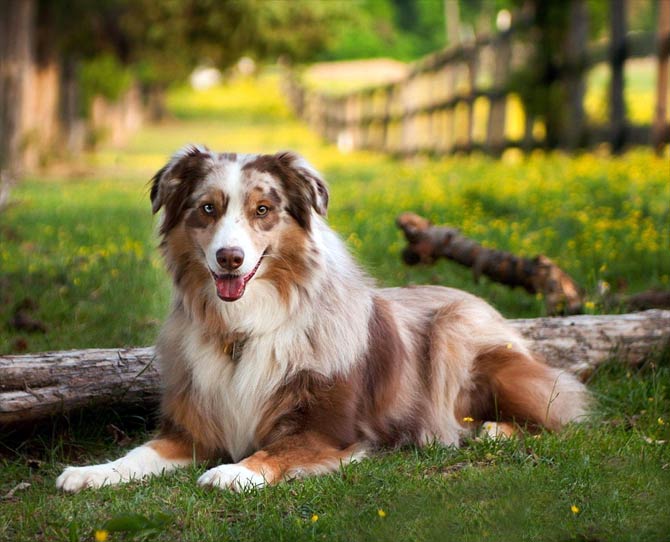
<point x="81" y="247"/>
<point x="611" y="468"/>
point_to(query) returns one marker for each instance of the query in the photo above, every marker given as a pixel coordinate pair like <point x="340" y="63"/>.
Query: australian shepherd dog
<point x="281" y="359"/>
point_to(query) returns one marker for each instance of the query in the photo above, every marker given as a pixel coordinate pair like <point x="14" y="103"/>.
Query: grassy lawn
<point x="81" y="249"/>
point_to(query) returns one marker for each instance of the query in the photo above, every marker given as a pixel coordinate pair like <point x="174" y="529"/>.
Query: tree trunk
<point x="426" y="243"/>
<point x="17" y="19"/>
<point x="35" y="386"/>
<point x="617" y="60"/>
<point x="661" y="131"/>
<point x="575" y="55"/>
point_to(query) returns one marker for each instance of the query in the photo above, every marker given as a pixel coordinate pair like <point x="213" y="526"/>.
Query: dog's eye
<point x="262" y="210"/>
<point x="208" y="209"/>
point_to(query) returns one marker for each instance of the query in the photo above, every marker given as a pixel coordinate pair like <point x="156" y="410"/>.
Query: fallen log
<point x="36" y="386"/>
<point x="427" y="243"/>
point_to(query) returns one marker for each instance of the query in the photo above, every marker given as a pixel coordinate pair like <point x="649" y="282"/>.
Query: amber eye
<point x="262" y="210"/>
<point x="208" y="209"/>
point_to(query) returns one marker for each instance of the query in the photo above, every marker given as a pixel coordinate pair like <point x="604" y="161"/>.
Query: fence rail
<point x="468" y="98"/>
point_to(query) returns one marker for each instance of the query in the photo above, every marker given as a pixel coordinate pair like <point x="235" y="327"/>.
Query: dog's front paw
<point x="235" y="477"/>
<point x="78" y="478"/>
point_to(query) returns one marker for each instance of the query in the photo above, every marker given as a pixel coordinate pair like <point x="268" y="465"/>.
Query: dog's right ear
<point x="186" y="165"/>
<point x="156" y="196"/>
<point x="173" y="183"/>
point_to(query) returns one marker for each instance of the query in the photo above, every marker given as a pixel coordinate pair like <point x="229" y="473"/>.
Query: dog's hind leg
<point x="526" y="391"/>
<point x="155" y="457"/>
<point x="290" y="457"/>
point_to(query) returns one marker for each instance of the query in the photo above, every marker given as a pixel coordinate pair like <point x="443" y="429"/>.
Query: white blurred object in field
<point x="246" y="66"/>
<point x="204" y="77"/>
<point x="503" y="20"/>
<point x="345" y="142"/>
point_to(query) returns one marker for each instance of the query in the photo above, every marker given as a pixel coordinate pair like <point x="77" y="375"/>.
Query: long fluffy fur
<point x="312" y="366"/>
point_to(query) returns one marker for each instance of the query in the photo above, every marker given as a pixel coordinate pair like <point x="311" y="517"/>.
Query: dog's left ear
<point x="311" y="180"/>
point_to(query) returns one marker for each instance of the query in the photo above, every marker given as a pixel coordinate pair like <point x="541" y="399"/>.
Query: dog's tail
<point x="527" y="391"/>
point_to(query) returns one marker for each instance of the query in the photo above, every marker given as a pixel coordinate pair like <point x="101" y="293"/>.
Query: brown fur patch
<point x="301" y="195"/>
<point x="182" y="416"/>
<point x="509" y="386"/>
<point x="288" y="262"/>
<point x="196" y="216"/>
<point x="175" y="197"/>
<point x="304" y="453"/>
<point x="392" y="409"/>
<point x="173" y="447"/>
<point x="311" y="402"/>
<point x="270" y="199"/>
<point x="369" y="403"/>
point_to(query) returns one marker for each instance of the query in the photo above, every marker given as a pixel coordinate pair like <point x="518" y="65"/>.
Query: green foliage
<point x="104" y="76"/>
<point x="398" y="29"/>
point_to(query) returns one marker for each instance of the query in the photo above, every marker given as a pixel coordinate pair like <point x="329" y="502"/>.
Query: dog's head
<point x="233" y="210"/>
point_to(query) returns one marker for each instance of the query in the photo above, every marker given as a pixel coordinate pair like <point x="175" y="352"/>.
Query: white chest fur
<point x="235" y="392"/>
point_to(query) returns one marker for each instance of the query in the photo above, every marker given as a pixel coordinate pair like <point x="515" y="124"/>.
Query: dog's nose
<point x="230" y="258"/>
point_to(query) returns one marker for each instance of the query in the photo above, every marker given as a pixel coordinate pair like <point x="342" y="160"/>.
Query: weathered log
<point x="427" y="243"/>
<point x="36" y="386"/>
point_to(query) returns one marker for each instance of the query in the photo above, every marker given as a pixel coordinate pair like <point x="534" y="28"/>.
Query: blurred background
<point x="533" y="126"/>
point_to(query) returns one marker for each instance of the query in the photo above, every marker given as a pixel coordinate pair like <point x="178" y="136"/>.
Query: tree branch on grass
<point x="427" y="243"/>
<point x="36" y="386"/>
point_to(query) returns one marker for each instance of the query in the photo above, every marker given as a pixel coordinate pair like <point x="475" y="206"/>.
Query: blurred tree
<point x="16" y="35"/>
<point x="110" y="43"/>
<point x="400" y="29"/>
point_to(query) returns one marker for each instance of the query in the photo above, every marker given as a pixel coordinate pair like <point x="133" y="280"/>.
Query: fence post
<point x="661" y="130"/>
<point x="472" y="62"/>
<point x="617" y="59"/>
<point x="575" y="52"/>
<point x="495" y="131"/>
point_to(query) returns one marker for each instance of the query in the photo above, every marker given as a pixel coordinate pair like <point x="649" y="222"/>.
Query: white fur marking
<point x="234" y="477"/>
<point x="232" y="230"/>
<point x="139" y="463"/>
<point x="493" y="430"/>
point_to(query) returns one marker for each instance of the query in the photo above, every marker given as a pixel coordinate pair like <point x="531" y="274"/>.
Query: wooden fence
<point x="469" y="97"/>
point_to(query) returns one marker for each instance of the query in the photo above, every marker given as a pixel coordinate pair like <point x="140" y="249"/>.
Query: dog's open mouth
<point x="231" y="287"/>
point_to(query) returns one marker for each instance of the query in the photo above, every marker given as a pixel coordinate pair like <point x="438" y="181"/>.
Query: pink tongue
<point x="229" y="288"/>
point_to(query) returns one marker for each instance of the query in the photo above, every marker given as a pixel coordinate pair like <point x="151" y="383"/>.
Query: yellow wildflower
<point x="661" y="421"/>
<point x="315" y="518"/>
<point x="468" y="419"/>
<point x="590" y="305"/>
<point x="101" y="535"/>
<point x="381" y="513"/>
<point x="575" y="509"/>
